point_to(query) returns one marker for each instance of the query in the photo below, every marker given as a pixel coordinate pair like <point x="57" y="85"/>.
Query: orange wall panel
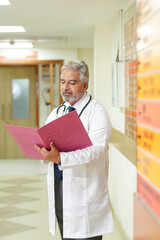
<point x="145" y="226"/>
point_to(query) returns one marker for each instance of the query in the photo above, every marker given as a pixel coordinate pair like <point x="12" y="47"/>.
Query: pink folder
<point x="67" y="133"/>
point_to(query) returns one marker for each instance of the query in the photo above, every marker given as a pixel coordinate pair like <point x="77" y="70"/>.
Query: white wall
<point x="66" y="54"/>
<point x="122" y="173"/>
<point x="122" y="185"/>
<point x="86" y="54"/>
<point x="102" y="64"/>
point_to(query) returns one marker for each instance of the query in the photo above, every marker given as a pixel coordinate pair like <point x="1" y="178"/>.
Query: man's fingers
<point x="52" y="146"/>
<point x="44" y="150"/>
<point x="51" y="155"/>
<point x="40" y="150"/>
<point x="37" y="148"/>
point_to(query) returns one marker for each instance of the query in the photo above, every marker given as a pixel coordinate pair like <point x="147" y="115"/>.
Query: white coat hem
<point x="83" y="235"/>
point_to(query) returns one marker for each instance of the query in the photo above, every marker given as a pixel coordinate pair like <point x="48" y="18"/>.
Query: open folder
<point x="67" y="133"/>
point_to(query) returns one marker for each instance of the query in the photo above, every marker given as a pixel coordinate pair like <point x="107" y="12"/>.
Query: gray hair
<point x="79" y="66"/>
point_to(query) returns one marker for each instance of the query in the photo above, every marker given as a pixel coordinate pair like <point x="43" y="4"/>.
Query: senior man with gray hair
<point x="77" y="180"/>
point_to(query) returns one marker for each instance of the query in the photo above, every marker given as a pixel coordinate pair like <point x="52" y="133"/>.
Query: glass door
<point x="17" y="105"/>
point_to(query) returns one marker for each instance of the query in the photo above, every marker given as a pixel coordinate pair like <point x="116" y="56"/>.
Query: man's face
<point x="71" y="87"/>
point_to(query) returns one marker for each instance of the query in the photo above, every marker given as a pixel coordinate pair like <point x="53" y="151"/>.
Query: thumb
<point x="52" y="146"/>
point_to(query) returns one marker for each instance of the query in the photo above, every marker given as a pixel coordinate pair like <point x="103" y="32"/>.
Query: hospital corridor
<point x="82" y="79"/>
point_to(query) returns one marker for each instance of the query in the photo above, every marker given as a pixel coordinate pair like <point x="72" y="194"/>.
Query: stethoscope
<point x="64" y="107"/>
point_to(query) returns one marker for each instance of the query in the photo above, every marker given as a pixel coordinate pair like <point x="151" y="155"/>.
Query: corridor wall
<point x="122" y="172"/>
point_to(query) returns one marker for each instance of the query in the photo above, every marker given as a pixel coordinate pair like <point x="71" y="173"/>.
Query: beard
<point x="71" y="98"/>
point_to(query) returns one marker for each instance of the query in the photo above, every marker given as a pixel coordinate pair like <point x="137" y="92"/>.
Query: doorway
<point x="21" y="76"/>
<point x="17" y="105"/>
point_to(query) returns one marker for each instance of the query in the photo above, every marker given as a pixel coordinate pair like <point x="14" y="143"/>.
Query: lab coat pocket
<point x="82" y="189"/>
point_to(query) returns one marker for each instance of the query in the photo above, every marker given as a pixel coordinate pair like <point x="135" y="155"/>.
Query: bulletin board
<point x="131" y="76"/>
<point x="147" y="200"/>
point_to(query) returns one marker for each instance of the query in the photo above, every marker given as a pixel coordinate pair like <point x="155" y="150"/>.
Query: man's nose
<point x="66" y="86"/>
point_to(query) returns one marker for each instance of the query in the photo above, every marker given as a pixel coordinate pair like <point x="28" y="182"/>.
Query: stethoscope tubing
<point x="64" y="108"/>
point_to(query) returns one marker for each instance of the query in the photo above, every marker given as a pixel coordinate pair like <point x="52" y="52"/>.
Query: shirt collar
<point x="77" y="105"/>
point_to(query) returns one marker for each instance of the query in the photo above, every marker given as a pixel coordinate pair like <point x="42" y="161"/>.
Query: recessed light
<point x="12" y="29"/>
<point x="16" y="45"/>
<point x="17" y="54"/>
<point x="4" y="2"/>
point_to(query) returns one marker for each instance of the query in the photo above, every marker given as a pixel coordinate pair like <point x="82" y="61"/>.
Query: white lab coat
<point x="86" y="204"/>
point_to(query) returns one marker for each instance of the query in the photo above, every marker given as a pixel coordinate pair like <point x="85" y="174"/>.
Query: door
<point x="17" y="105"/>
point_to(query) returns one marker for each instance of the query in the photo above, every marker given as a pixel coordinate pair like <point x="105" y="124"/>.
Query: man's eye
<point x="62" y="83"/>
<point x="73" y="83"/>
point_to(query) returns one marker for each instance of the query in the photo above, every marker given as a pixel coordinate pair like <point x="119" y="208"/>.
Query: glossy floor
<point x="23" y="202"/>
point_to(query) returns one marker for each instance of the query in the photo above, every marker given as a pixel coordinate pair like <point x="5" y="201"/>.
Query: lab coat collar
<point x="81" y="103"/>
<point x="78" y="104"/>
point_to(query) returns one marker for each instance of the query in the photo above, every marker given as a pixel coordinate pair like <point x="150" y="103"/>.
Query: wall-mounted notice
<point x="148" y="113"/>
<point x="148" y="59"/>
<point x="148" y="110"/>
<point x="149" y="167"/>
<point x="131" y="76"/>
<point x="149" y="140"/>
<point x="149" y="86"/>
<point x="145" y="226"/>
<point x="149" y="194"/>
<point x="147" y="9"/>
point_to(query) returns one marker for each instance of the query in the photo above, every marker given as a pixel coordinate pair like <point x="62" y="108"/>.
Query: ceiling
<point x="46" y="20"/>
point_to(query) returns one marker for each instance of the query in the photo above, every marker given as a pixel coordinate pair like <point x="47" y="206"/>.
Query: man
<point x="80" y="195"/>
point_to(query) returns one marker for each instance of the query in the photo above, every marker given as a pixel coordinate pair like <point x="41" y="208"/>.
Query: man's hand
<point x="53" y="155"/>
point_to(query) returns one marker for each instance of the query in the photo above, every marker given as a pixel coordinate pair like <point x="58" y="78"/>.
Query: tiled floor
<point x="23" y="202"/>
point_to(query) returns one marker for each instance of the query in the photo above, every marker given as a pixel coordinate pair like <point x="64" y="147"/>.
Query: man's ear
<point x="85" y="85"/>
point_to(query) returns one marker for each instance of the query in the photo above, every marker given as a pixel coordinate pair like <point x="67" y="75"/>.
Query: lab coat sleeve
<point x="99" y="133"/>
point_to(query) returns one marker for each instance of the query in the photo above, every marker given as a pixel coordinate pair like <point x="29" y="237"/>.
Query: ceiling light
<point x="18" y="54"/>
<point x="16" y="45"/>
<point x="4" y="2"/>
<point x="12" y="29"/>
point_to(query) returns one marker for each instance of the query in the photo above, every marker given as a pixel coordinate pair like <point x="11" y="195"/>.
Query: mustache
<point x="67" y="92"/>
